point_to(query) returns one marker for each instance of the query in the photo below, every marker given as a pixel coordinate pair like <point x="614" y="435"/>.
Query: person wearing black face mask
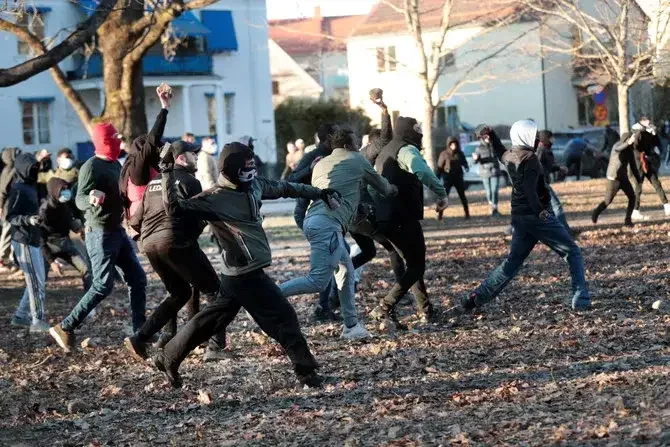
<point x="22" y="214"/>
<point x="171" y="244"/>
<point x="57" y="222"/>
<point x="232" y="209"/>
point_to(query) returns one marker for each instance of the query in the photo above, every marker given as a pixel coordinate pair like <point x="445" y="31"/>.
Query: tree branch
<point x="48" y="59"/>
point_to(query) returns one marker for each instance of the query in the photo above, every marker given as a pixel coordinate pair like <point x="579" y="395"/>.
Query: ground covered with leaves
<point x="524" y="371"/>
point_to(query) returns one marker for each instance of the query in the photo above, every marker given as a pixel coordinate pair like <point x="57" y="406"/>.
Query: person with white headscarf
<point x="533" y="221"/>
<point x="207" y="172"/>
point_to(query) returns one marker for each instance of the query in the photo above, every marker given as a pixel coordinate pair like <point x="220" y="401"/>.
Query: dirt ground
<point x="524" y="371"/>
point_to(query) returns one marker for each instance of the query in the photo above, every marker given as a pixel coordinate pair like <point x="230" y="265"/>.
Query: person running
<point x="57" y="221"/>
<point x="621" y="159"/>
<point x="232" y="209"/>
<point x="107" y="243"/>
<point x="23" y="216"/>
<point x="450" y="166"/>
<point x="489" y="171"/>
<point x="532" y="219"/>
<point x="171" y="244"/>
<point x="648" y="161"/>
<point x="343" y="170"/>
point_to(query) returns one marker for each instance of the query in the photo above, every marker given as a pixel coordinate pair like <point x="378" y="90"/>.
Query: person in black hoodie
<point x="450" y="166"/>
<point x="621" y="159"/>
<point x="57" y="222"/>
<point x="171" y="244"/>
<point x="532" y="219"/>
<point x="23" y="215"/>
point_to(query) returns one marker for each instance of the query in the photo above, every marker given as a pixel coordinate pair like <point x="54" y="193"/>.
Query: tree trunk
<point x="429" y="151"/>
<point x="622" y="97"/>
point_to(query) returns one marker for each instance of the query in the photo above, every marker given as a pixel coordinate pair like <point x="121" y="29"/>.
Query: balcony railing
<point x="153" y="64"/>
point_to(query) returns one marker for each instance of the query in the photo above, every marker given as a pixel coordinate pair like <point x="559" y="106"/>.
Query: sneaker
<point x="324" y="316"/>
<point x="39" y="326"/>
<point x="137" y="348"/>
<point x="312" y="380"/>
<point x="666" y="208"/>
<point x="19" y="321"/>
<point x="580" y="304"/>
<point x="637" y="215"/>
<point x="357" y="332"/>
<point x="214" y="354"/>
<point x="64" y="339"/>
<point x="170" y="373"/>
<point x="463" y="308"/>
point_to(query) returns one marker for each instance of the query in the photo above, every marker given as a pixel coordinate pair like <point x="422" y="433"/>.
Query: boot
<point x="596" y="212"/>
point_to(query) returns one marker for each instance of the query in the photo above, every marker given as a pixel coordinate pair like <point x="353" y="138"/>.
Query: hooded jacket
<point x="621" y="160"/>
<point x="452" y="162"/>
<point x="206" y="173"/>
<point x="141" y="165"/>
<point x="23" y="203"/>
<point x="372" y="150"/>
<point x="57" y="219"/>
<point x="530" y="195"/>
<point x="233" y="213"/>
<point x="8" y="173"/>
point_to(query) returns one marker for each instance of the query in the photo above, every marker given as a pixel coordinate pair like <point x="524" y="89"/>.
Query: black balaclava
<point x="233" y="158"/>
<point x="408" y="130"/>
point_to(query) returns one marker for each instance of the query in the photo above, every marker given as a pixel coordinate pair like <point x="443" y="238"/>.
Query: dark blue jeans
<point x="528" y="231"/>
<point x="108" y="249"/>
<point x="491" y="186"/>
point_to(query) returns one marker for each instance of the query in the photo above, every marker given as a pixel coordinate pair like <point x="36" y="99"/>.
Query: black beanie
<point x="408" y="130"/>
<point x="232" y="159"/>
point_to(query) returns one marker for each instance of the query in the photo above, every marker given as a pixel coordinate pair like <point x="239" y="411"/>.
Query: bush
<point x="300" y="117"/>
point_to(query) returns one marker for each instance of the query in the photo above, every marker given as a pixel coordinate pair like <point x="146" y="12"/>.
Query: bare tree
<point x="609" y="41"/>
<point x="123" y="38"/>
<point x="48" y="58"/>
<point x="491" y="15"/>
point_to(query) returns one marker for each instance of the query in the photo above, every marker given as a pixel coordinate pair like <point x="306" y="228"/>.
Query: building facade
<point x="220" y="78"/>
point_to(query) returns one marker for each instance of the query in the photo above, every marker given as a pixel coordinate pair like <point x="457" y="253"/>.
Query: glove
<point x="34" y="220"/>
<point x="331" y="197"/>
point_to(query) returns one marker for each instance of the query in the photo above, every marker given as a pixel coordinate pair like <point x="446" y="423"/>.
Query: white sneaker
<point x="357" y="332"/>
<point x="666" y="207"/>
<point x="637" y="215"/>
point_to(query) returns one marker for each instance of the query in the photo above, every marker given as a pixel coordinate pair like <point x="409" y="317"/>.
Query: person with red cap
<point x="107" y="243"/>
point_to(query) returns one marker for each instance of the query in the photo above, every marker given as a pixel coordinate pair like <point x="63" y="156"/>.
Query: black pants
<point x="613" y="187"/>
<point x="261" y="297"/>
<point x="655" y="182"/>
<point x="459" y="184"/>
<point x="68" y="253"/>
<point x="185" y="271"/>
<point x="368" y="250"/>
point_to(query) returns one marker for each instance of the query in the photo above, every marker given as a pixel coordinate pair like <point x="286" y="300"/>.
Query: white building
<point x="518" y="83"/>
<point x="221" y="81"/>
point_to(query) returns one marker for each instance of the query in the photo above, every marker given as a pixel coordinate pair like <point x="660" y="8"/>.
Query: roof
<point x="384" y="19"/>
<point x="309" y="35"/>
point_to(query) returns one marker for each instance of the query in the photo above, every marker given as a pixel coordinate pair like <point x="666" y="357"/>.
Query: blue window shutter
<point x="222" y="37"/>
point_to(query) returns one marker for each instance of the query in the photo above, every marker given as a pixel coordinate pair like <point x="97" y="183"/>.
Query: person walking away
<point x="532" y="219"/>
<point x="57" y="221"/>
<point x="65" y="166"/>
<point x="207" y="173"/>
<point x="232" y="209"/>
<point x="343" y="171"/>
<point x="399" y="218"/>
<point x="648" y="161"/>
<point x="450" y="166"/>
<point x="489" y="171"/>
<point x="545" y="156"/>
<point x="171" y="244"/>
<point x="107" y="243"/>
<point x="23" y="216"/>
<point x="7" y="178"/>
<point x="621" y="159"/>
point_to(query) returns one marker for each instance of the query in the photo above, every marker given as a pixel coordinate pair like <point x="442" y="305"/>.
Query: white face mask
<point x="65" y="163"/>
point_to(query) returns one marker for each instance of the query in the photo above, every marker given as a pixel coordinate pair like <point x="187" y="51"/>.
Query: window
<point x="386" y="60"/>
<point x="35" y="121"/>
<point x="229" y="108"/>
<point x="275" y="87"/>
<point x="211" y="114"/>
<point x="34" y="21"/>
<point x="447" y="62"/>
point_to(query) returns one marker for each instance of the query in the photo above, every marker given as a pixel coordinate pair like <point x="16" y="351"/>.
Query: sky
<point x="285" y="9"/>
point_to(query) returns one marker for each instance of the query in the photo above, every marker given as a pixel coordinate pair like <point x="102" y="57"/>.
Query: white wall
<point x="292" y="80"/>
